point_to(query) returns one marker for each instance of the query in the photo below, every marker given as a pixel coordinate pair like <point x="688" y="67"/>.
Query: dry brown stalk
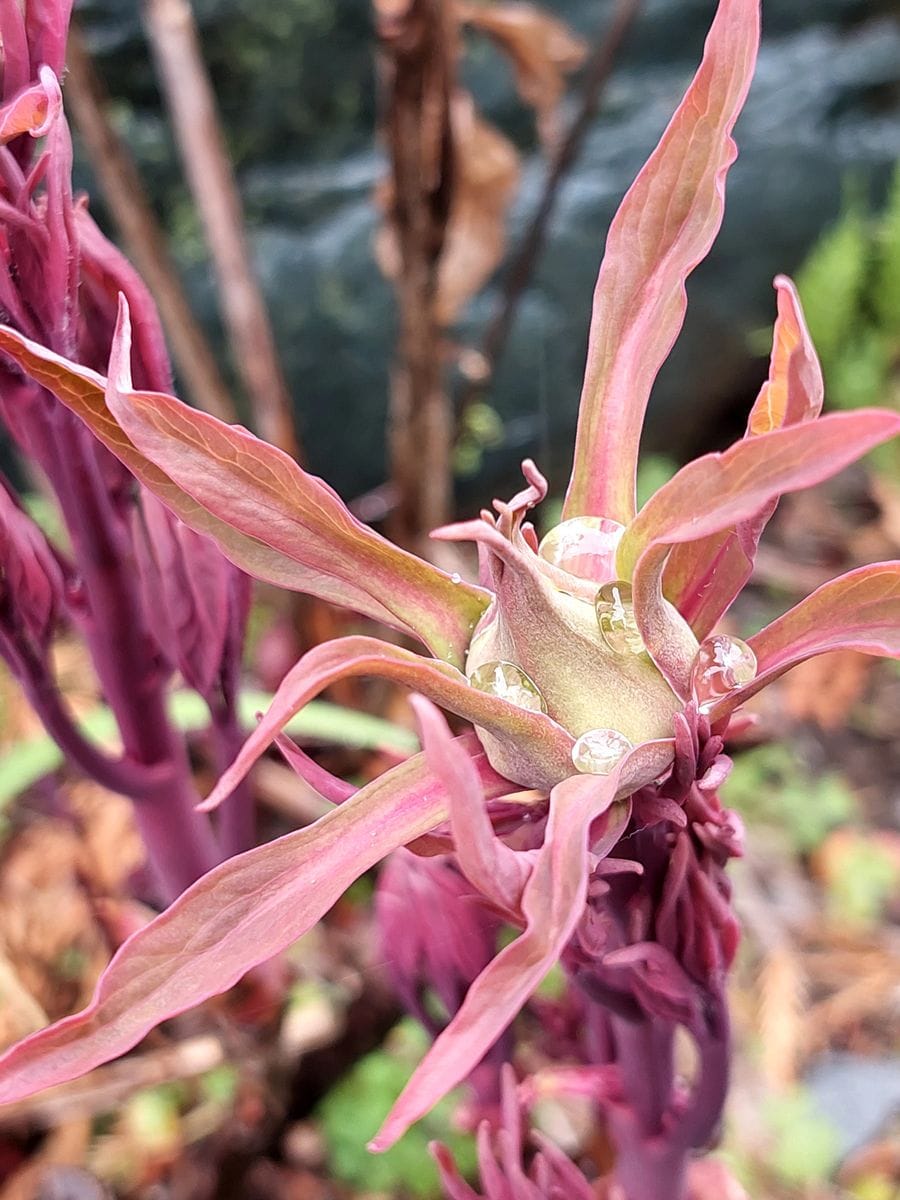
<point x="189" y="97"/>
<point x="417" y="63"/>
<point x="140" y="231"/>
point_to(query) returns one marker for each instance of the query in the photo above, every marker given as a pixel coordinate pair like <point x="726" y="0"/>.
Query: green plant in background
<point x="353" y="1111"/>
<point x="850" y="288"/>
<point x="772" y="785"/>
<point x="481" y="429"/>
<point x="804" y="1144"/>
<point x="861" y="885"/>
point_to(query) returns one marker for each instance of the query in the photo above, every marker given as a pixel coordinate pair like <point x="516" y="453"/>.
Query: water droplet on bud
<point x="584" y="546"/>
<point x="456" y="577"/>
<point x="722" y="664"/>
<point x="599" y="750"/>
<point x="615" y="615"/>
<point x="509" y="682"/>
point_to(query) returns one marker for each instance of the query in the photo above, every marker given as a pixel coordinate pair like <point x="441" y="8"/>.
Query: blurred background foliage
<point x="296" y="86"/>
<point x="816" y="192"/>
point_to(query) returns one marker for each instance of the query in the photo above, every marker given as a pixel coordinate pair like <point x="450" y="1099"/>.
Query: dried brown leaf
<point x="487" y="175"/>
<point x="47" y="927"/>
<point x="542" y="49"/>
<point x="485" y="178"/>
<point x="825" y="689"/>
<point x="112" y="849"/>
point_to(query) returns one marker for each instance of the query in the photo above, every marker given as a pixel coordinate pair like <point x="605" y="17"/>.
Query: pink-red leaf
<point x="545" y="749"/>
<point x="664" y="228"/>
<point x="267" y="515"/>
<point x="727" y="488"/>
<point x="795" y="389"/>
<point x="186" y="584"/>
<point x="493" y="868"/>
<point x="552" y="904"/>
<point x="857" y="611"/>
<point x="702" y="578"/>
<point x="719" y="491"/>
<point x="242" y="913"/>
<point x="33" y="110"/>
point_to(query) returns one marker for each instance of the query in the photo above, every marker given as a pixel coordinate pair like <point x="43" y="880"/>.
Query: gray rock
<point x="857" y="1096"/>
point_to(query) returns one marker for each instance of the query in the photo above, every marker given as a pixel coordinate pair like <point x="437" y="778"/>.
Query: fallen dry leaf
<point x="542" y="49"/>
<point x="111" y="849"/>
<point x="825" y="689"/>
<point x="48" y="930"/>
<point x="486" y="178"/>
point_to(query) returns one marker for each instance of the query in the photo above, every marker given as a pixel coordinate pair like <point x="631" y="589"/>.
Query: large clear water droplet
<point x="722" y="664"/>
<point x="599" y="750"/>
<point x="615" y="615"/>
<point x="509" y="682"/>
<point x="584" y="546"/>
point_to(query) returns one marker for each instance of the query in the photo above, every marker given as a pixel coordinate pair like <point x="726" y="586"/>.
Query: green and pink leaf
<point x="552" y="904"/>
<point x="266" y="514"/>
<point x="721" y="491"/>
<point x="702" y="578"/>
<point x="543" y="749"/>
<point x="663" y="229"/>
<point x="858" y="611"/>
<point x="239" y="915"/>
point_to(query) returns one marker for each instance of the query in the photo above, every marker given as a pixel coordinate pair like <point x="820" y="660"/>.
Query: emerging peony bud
<point x="560" y="637"/>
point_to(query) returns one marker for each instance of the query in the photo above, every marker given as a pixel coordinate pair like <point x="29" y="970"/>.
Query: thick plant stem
<point x="644" y="1050"/>
<point x="179" y="841"/>
<point x="650" y="1170"/>
<point x="417" y="52"/>
<point x="236" y="824"/>
<point x="651" y="1154"/>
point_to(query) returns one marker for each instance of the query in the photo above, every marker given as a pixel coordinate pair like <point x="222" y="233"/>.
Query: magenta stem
<point x="236" y="816"/>
<point x="179" y="841"/>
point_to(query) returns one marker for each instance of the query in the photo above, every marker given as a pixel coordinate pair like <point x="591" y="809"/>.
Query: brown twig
<point x="109" y="1085"/>
<point x="418" y="61"/>
<point x="139" y="229"/>
<point x="189" y="96"/>
<point x="521" y="266"/>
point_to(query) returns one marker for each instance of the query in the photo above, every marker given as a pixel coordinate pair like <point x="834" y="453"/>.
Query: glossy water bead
<point x="615" y="615"/>
<point x="584" y="546"/>
<point x="599" y="750"/>
<point x="722" y="664"/>
<point x="509" y="682"/>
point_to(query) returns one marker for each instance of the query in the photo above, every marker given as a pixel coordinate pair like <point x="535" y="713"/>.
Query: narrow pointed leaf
<point x="857" y="611"/>
<point x="664" y="228"/>
<point x="702" y="578"/>
<point x="33" y="110"/>
<point x="729" y="487"/>
<point x="545" y="748"/>
<point x="266" y="514"/>
<point x="495" y="870"/>
<point x="552" y="904"/>
<point x="795" y="389"/>
<point x="242" y="913"/>
<point x="722" y="490"/>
